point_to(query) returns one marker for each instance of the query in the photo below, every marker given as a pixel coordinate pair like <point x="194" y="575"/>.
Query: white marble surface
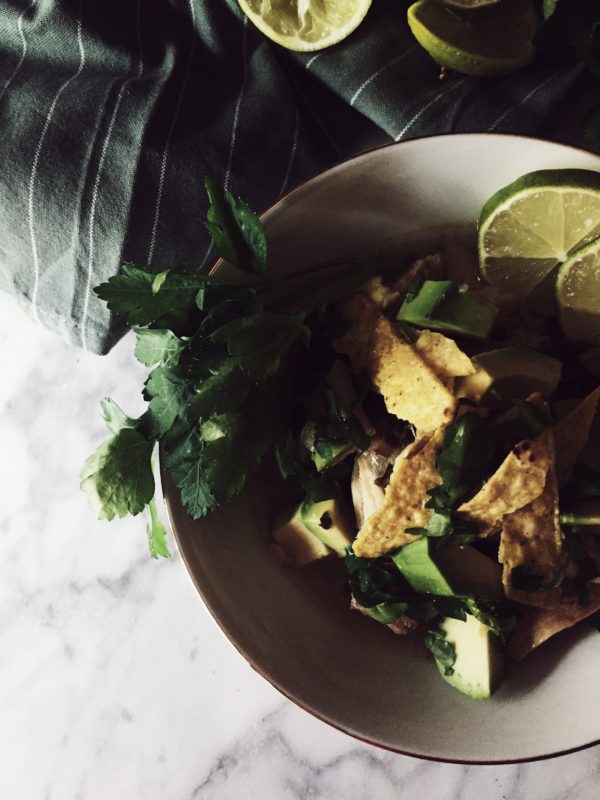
<point x="114" y="680"/>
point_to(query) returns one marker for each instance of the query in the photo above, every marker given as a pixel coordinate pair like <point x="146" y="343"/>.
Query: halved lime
<point x="491" y="41"/>
<point x="305" y="24"/>
<point x="530" y="227"/>
<point x="578" y="294"/>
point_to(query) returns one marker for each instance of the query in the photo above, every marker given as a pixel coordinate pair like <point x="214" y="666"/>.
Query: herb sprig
<point x="220" y="387"/>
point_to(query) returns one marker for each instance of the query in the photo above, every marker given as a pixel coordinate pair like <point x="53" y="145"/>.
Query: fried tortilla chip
<point x="537" y="625"/>
<point x="411" y="389"/>
<point x="444" y="357"/>
<point x="518" y="480"/>
<point x="531" y="538"/>
<point x="404" y="501"/>
<point x="571" y="434"/>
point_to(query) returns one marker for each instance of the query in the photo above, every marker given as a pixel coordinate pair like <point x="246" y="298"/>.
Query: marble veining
<point x="114" y="680"/>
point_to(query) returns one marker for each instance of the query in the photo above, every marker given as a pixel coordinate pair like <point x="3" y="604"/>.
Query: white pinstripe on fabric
<point x="13" y="75"/>
<point x="527" y="97"/>
<point x="292" y="154"/>
<point x="36" y="161"/>
<point x="206" y="255"/>
<point x="90" y="264"/>
<point x="165" y="155"/>
<point x="425" y="108"/>
<point x="376" y="74"/>
<point x="236" y="113"/>
<point x="312" y="60"/>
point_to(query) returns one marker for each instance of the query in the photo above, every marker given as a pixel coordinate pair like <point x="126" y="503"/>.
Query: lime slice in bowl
<point x="530" y="227"/>
<point x="487" y="42"/>
<point x="578" y="294"/>
<point x="304" y="25"/>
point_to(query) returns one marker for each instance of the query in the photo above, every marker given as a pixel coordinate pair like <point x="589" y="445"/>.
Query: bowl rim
<point x="218" y="264"/>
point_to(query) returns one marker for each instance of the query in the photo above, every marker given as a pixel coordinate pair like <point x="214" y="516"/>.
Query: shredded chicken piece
<point x="370" y="477"/>
<point x="404" y="507"/>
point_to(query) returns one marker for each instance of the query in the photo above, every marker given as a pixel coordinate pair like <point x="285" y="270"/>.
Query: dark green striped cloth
<point x="113" y="111"/>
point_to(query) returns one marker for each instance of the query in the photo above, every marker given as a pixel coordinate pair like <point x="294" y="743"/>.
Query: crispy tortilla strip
<point x="532" y="538"/>
<point x="517" y="481"/>
<point x="444" y="357"/>
<point x="404" y="500"/>
<point x="571" y="433"/>
<point x="410" y="388"/>
<point x="537" y="625"/>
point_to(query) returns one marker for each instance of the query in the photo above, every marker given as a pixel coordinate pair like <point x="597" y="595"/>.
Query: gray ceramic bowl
<point x="294" y="627"/>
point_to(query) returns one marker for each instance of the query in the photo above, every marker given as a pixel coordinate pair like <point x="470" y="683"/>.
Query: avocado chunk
<point x="300" y="546"/>
<point x="445" y="306"/>
<point x="514" y="371"/>
<point x="449" y="571"/>
<point x="333" y="454"/>
<point x="479" y="661"/>
<point x="330" y="521"/>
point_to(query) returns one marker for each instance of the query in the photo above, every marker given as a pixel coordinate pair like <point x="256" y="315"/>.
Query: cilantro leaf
<point x="333" y="428"/>
<point x="462" y="458"/>
<point x="500" y="617"/>
<point x="387" y="613"/>
<point x="211" y="464"/>
<point x="376" y="584"/>
<point x="186" y="467"/>
<point x="118" y="477"/>
<point x="443" y="651"/>
<point x="232" y="450"/>
<point x="129" y="293"/>
<point x="115" y="418"/>
<point x="236" y="231"/>
<point x="147" y="297"/>
<point x="225" y="389"/>
<point x="260" y="341"/>
<point x="169" y="391"/>
<point x="549" y="8"/>
<point x="156" y="346"/>
<point x="448" y="529"/>
<point x="373" y="581"/>
<point x="211" y="461"/>
<point x="157" y="534"/>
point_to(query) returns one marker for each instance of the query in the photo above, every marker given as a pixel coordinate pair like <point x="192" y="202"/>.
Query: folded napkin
<point x="112" y="113"/>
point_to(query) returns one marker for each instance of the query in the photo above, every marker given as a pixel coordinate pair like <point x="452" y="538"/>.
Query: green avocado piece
<point x="300" y="546"/>
<point x="479" y="665"/>
<point x="443" y="306"/>
<point x="338" y="453"/>
<point x="330" y="522"/>
<point x="449" y="571"/>
<point x="513" y="371"/>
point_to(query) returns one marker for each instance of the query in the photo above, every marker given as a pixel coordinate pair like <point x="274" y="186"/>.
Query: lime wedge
<point x="578" y="294"/>
<point x="305" y="24"/>
<point x="529" y="228"/>
<point x="491" y="41"/>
